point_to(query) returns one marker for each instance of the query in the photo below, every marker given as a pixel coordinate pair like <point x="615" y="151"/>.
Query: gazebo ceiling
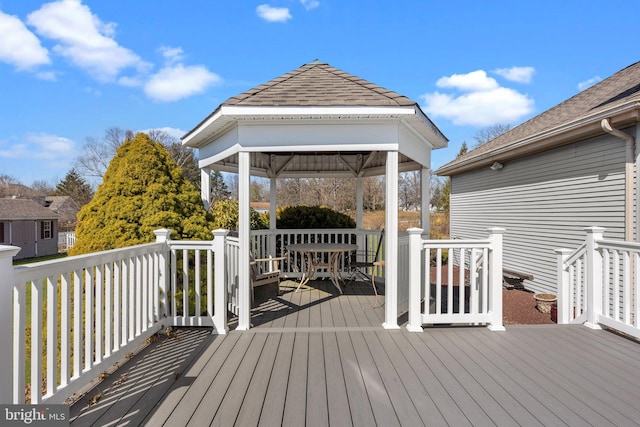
<point x="307" y="165"/>
<point x="313" y="120"/>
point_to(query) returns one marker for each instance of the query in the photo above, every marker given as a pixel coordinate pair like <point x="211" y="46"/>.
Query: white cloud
<point x="84" y="39"/>
<point x="40" y="146"/>
<point x="47" y="75"/>
<point x="175" y="82"/>
<point x="473" y="81"/>
<point x="172" y="54"/>
<point x="587" y="83"/>
<point x="310" y="4"/>
<point x="273" y="14"/>
<point x="483" y="102"/>
<point x="516" y="74"/>
<point x="19" y="46"/>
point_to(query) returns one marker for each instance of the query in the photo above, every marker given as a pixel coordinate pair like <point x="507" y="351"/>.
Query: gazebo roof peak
<point x="319" y="84"/>
<point x="318" y="92"/>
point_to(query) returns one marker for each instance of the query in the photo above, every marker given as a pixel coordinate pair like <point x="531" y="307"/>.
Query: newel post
<point x="163" y="235"/>
<point x="415" y="269"/>
<point x="219" y="282"/>
<point x="495" y="278"/>
<point x="563" y="290"/>
<point x="6" y="326"/>
<point x="594" y="277"/>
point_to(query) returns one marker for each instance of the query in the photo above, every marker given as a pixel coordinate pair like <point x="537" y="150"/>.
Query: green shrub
<point x="225" y="215"/>
<point x="312" y="217"/>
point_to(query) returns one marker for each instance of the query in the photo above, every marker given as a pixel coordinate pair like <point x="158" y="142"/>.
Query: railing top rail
<point x="618" y="244"/>
<point x="190" y="244"/>
<point x="578" y="253"/>
<point x="456" y="244"/>
<point x="79" y="262"/>
<point x="314" y="230"/>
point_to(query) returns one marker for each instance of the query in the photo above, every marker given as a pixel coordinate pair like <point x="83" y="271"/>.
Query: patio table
<point x="310" y="252"/>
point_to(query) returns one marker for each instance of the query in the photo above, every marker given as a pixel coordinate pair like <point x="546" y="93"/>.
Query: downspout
<point x="628" y="176"/>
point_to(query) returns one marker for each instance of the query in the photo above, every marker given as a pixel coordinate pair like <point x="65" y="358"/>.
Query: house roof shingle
<point x="21" y="209"/>
<point x="622" y="88"/>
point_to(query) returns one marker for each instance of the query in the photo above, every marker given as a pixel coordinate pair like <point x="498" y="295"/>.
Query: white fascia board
<point x="206" y="161"/>
<point x="252" y="111"/>
<point x="414" y="145"/>
<point x="196" y="133"/>
<point x="318" y="134"/>
<point x="319" y="148"/>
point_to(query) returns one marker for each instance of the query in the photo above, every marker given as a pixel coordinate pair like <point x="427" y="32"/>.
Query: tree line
<point x="336" y="193"/>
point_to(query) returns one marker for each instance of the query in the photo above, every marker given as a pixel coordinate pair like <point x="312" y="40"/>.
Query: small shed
<point x="318" y="121"/>
<point x="30" y="226"/>
<point x="573" y="166"/>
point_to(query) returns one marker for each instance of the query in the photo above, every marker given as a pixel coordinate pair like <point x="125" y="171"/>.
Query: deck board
<point x="317" y="407"/>
<point x="253" y="401"/>
<point x="337" y="399"/>
<point x="319" y="358"/>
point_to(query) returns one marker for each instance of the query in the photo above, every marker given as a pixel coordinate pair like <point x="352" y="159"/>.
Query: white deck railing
<point x="478" y="297"/>
<point x="85" y="313"/>
<point x="599" y="284"/>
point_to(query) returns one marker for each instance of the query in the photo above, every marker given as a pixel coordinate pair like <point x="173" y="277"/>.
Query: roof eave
<point x="585" y="127"/>
<point x="218" y="122"/>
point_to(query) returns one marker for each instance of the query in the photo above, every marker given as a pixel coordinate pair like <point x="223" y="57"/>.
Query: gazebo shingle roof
<point x="619" y="89"/>
<point x="318" y="84"/>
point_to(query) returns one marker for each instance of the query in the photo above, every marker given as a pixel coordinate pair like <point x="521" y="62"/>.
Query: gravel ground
<point x="519" y="308"/>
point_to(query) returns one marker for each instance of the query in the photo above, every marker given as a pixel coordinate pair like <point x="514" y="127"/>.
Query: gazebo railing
<point x="265" y="243"/>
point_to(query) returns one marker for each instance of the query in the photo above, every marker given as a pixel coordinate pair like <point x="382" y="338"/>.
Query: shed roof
<point x="20" y="209"/>
<point x="617" y="97"/>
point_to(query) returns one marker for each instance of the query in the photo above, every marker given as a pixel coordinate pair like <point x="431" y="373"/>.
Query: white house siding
<point x="544" y="201"/>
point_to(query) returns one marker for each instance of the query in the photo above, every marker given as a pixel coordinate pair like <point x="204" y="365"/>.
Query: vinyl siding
<point x="544" y="201"/>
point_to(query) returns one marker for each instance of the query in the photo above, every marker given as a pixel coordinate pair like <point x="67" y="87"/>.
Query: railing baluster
<point x="88" y="318"/>
<point x="52" y="334"/>
<point x="36" y="342"/>
<point x="65" y="328"/>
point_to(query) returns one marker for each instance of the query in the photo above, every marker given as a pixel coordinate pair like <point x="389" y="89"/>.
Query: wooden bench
<point x="512" y="279"/>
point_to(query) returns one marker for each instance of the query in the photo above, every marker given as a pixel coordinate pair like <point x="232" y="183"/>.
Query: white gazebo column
<point x="272" y="216"/>
<point x="205" y="187"/>
<point x="360" y="237"/>
<point x="425" y="200"/>
<point x="391" y="243"/>
<point x="244" y="283"/>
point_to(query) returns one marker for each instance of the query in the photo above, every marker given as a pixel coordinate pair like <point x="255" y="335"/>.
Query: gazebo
<point x="318" y="121"/>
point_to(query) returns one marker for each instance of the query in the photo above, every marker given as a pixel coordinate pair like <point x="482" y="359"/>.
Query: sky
<point x="71" y="69"/>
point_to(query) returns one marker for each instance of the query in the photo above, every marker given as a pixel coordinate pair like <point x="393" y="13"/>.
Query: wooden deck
<point x="319" y="360"/>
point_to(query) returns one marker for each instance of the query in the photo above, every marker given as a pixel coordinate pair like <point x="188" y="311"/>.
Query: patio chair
<point x="264" y="271"/>
<point x="363" y="262"/>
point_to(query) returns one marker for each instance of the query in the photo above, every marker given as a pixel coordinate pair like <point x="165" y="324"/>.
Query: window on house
<point x="2" y="232"/>
<point x="46" y="228"/>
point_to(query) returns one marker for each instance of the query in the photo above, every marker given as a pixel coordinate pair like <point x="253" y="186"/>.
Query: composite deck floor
<point x="318" y="359"/>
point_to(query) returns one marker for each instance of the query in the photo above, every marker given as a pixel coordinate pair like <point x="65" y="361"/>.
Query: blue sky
<point x="71" y="69"/>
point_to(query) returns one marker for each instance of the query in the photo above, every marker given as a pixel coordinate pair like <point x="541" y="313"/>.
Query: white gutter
<point x="628" y="176"/>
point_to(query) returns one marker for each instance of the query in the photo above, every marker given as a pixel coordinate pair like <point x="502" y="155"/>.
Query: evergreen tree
<point x="143" y="190"/>
<point x="74" y="186"/>
<point x="219" y="190"/>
